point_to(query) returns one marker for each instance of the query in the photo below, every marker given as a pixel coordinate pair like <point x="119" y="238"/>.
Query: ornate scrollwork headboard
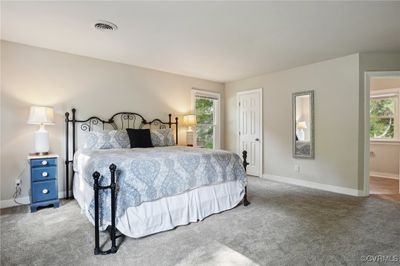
<point x="118" y="121"/>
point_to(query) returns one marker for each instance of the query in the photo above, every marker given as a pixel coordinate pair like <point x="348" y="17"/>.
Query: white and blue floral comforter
<point x="148" y="174"/>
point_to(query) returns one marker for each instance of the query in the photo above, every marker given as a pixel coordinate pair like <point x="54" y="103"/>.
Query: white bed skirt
<point x="167" y="213"/>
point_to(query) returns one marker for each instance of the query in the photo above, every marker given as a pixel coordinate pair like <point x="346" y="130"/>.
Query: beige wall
<point x="336" y="85"/>
<point x="34" y="76"/>
<point x="384" y="159"/>
<point x="383" y="83"/>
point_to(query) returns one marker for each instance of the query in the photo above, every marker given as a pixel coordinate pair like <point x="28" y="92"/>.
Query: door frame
<point x="367" y="89"/>
<point x="238" y="94"/>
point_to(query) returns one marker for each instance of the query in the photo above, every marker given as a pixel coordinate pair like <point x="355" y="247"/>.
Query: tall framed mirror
<point x="303" y="124"/>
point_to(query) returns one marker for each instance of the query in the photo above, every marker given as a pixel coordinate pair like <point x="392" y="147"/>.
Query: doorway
<point x="384" y="134"/>
<point x="250" y="129"/>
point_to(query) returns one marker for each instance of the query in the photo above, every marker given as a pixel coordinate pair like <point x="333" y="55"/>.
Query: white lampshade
<point x="302" y="125"/>
<point x="189" y="120"/>
<point x="41" y="115"/>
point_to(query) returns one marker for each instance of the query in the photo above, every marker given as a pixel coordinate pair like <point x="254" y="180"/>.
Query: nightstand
<point x="44" y="191"/>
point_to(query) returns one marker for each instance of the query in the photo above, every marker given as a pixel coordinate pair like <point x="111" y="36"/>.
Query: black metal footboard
<point x="245" y="164"/>
<point x="112" y="229"/>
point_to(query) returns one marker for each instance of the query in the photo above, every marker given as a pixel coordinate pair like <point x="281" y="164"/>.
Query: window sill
<point x="385" y="141"/>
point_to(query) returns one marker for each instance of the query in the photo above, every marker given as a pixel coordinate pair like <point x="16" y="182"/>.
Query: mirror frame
<point x="312" y="131"/>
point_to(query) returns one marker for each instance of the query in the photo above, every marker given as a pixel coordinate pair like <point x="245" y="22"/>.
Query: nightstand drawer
<point x="44" y="162"/>
<point x="44" y="190"/>
<point x="44" y="173"/>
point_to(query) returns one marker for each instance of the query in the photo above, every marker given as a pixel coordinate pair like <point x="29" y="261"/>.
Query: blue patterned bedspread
<point x="148" y="174"/>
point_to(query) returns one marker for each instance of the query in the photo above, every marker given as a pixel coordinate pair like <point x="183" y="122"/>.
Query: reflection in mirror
<point x="303" y="124"/>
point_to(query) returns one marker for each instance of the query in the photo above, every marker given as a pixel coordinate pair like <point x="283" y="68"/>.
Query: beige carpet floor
<point x="284" y="225"/>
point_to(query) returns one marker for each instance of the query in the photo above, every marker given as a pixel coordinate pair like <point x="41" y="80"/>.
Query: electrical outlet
<point x="17" y="182"/>
<point x="297" y="168"/>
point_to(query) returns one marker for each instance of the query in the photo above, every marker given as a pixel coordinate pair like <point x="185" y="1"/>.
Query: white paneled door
<point x="250" y="129"/>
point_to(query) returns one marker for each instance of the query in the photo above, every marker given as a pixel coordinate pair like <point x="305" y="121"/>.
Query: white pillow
<point x="119" y="139"/>
<point x="114" y="139"/>
<point x="162" y="137"/>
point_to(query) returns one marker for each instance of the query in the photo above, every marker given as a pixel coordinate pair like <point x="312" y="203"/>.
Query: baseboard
<point x="384" y="175"/>
<point x="23" y="200"/>
<point x="314" y="185"/>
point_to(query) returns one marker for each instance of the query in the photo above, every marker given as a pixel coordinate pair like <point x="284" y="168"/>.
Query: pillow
<point x="119" y="139"/>
<point x="162" y="137"/>
<point x="114" y="139"/>
<point x="97" y="140"/>
<point x="139" y="138"/>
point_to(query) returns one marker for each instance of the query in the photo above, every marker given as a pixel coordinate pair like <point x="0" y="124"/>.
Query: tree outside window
<point x="383" y="118"/>
<point x="205" y="109"/>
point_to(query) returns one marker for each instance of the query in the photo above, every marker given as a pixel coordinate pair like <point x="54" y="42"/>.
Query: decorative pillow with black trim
<point x="139" y="138"/>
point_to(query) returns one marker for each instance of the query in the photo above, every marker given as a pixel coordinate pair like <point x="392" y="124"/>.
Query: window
<point x="206" y="108"/>
<point x="384" y="119"/>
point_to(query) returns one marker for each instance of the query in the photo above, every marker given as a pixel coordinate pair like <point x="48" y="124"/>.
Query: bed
<point x="141" y="191"/>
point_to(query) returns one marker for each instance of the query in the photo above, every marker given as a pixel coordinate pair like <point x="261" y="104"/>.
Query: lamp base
<point x="39" y="153"/>
<point x="42" y="141"/>
<point x="189" y="138"/>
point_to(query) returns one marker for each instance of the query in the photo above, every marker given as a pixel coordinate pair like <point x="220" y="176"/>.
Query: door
<point x="250" y="129"/>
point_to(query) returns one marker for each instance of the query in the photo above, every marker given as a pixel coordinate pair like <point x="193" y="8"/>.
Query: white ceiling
<point x="220" y="41"/>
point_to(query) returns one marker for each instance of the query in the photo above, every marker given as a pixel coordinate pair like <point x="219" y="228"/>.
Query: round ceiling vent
<point x="105" y="26"/>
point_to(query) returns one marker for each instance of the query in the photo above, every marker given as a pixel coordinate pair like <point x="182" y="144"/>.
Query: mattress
<point x="164" y="213"/>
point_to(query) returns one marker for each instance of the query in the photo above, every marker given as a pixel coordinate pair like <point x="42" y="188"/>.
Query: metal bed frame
<point x="120" y="120"/>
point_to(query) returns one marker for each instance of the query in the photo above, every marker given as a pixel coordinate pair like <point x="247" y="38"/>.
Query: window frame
<point x="217" y="115"/>
<point x="388" y="93"/>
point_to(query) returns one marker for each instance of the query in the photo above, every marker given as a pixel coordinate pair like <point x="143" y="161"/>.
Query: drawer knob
<point x="45" y="191"/>
<point x="44" y="174"/>
<point x="44" y="162"/>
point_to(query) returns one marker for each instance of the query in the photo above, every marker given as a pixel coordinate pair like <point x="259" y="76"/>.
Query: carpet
<point x="284" y="225"/>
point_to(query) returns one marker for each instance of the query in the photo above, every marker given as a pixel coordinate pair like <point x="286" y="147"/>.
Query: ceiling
<point x="219" y="41"/>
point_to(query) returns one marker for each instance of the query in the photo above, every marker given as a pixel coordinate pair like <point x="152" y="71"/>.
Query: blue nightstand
<point x="44" y="191"/>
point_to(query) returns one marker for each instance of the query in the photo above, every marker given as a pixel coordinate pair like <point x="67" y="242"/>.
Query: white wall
<point x="336" y="85"/>
<point x="35" y="76"/>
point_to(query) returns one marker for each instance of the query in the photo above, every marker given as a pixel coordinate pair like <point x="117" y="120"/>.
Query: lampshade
<point x="189" y="120"/>
<point x="41" y="115"/>
<point x="302" y="125"/>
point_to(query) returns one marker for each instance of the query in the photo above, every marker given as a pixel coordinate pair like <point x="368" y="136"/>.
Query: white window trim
<point x="217" y="132"/>
<point x="385" y="94"/>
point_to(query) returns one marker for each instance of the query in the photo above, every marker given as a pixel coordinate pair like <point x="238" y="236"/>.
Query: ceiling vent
<point x="103" y="25"/>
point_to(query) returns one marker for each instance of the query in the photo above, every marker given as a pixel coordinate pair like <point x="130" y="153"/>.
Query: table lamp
<point x="189" y="121"/>
<point x="41" y="115"/>
<point x="301" y="126"/>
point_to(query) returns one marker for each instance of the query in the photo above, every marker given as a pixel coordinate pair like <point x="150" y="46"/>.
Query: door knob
<point x="257" y="139"/>
<point x="44" y="174"/>
<point x="45" y="191"/>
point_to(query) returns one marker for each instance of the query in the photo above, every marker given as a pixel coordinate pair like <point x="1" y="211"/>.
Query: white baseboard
<point x="24" y="200"/>
<point x="384" y="175"/>
<point x="315" y="185"/>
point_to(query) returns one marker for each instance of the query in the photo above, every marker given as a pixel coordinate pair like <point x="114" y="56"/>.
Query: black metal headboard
<point x="120" y="120"/>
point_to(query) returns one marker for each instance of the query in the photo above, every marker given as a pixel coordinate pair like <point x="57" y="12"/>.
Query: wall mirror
<point x="303" y="124"/>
